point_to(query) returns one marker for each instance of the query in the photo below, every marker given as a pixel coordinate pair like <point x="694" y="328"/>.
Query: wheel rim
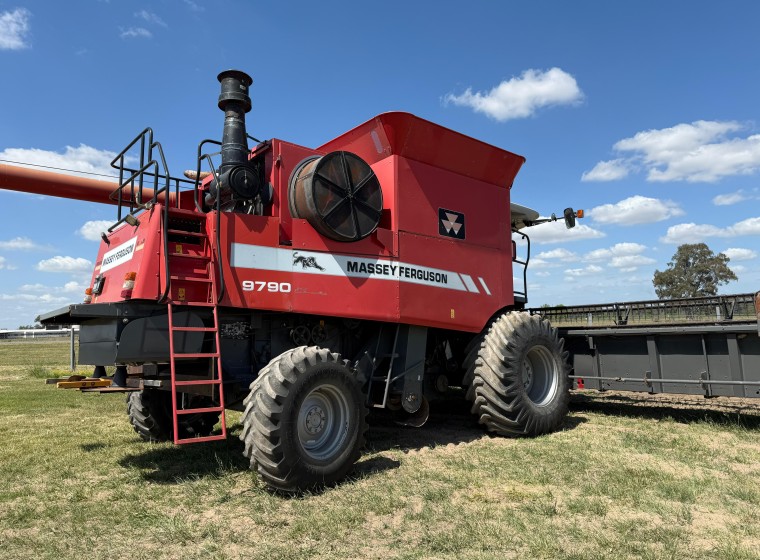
<point x="323" y="422"/>
<point x="540" y="375"/>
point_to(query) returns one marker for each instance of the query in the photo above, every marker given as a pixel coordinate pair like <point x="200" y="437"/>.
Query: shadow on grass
<point x="681" y="408"/>
<point x="164" y="464"/>
<point x="450" y="422"/>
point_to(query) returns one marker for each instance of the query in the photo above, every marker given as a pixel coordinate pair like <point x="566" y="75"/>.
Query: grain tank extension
<point x="305" y="286"/>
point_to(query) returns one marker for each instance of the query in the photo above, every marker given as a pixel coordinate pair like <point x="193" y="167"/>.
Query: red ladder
<point x="214" y="358"/>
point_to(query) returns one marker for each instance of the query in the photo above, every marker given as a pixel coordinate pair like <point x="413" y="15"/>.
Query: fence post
<point x="73" y="356"/>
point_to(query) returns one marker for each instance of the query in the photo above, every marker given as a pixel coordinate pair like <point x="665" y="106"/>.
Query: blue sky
<point x="643" y="113"/>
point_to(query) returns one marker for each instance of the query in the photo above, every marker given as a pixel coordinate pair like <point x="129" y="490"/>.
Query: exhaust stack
<point x="238" y="180"/>
<point x="235" y="103"/>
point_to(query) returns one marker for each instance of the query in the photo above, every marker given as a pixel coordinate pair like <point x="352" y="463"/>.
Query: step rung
<point x="217" y="437"/>
<point x="193" y="329"/>
<point x="191" y="279"/>
<point x="186" y="213"/>
<point x="201" y="410"/>
<point x="189" y="256"/>
<point x="196" y="355"/>
<point x="197" y="382"/>
<point x="186" y="233"/>
<point x="193" y="303"/>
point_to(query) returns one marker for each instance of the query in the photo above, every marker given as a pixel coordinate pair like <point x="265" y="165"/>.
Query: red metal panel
<point x="424" y="189"/>
<point x="285" y="157"/>
<point x="130" y="250"/>
<point x="485" y="272"/>
<point x="383" y="242"/>
<point x="406" y="135"/>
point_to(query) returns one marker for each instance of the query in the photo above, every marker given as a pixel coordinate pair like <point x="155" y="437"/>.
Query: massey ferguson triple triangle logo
<point x="451" y="223"/>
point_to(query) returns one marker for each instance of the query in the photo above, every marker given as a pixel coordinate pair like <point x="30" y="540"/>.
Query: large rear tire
<point x="150" y="413"/>
<point x="304" y="421"/>
<point x="518" y="382"/>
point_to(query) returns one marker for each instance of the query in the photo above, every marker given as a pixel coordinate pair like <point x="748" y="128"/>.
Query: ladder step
<point x="188" y="256"/>
<point x="199" y="410"/>
<point x="191" y="279"/>
<point x="183" y="212"/>
<point x="186" y="233"/>
<point x="217" y="437"/>
<point x="196" y="355"/>
<point x="193" y="303"/>
<point x="193" y="329"/>
<point x="197" y="382"/>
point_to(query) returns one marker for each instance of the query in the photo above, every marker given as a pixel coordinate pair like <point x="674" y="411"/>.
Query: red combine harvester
<point x="303" y="286"/>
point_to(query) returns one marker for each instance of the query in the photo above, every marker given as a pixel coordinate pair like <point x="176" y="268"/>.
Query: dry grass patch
<point x="623" y="480"/>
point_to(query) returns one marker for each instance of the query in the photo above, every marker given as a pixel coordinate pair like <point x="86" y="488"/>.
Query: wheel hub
<point x="527" y="374"/>
<point x="322" y="421"/>
<point x="540" y="375"/>
<point x="315" y="420"/>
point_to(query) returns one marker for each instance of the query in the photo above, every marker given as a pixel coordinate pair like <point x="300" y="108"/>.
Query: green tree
<point x="692" y="272"/>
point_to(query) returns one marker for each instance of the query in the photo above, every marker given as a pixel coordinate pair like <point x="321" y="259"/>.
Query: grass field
<point x="626" y="478"/>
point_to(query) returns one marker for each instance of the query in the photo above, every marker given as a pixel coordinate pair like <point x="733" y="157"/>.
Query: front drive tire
<point x="304" y="420"/>
<point x="519" y="381"/>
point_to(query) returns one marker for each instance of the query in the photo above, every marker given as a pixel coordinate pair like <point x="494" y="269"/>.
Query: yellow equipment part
<point x="84" y="384"/>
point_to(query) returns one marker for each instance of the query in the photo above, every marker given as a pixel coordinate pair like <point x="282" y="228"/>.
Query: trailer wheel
<point x="519" y="383"/>
<point x="150" y="413"/>
<point x="304" y="420"/>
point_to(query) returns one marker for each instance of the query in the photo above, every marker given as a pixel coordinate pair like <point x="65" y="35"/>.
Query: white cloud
<point x="702" y="151"/>
<point x="83" y="158"/>
<point x="91" y="230"/>
<point x="4" y="264"/>
<point x="635" y="210"/>
<point x="65" y="264"/>
<point x="14" y="29"/>
<point x="607" y="171"/>
<point x="543" y="274"/>
<point x="558" y="254"/>
<point x="750" y="226"/>
<point x="694" y="233"/>
<point x="730" y="198"/>
<point x="47" y="299"/>
<point x="135" y="32"/>
<point x="737" y="254"/>
<point x="556" y="232"/>
<point x="577" y="272"/>
<point x="69" y="287"/>
<point x="691" y="233"/>
<point x="617" y="250"/>
<point x="629" y="263"/>
<point x="20" y="244"/>
<point x="626" y="257"/>
<point x="150" y="17"/>
<point x="74" y="287"/>
<point x="522" y="97"/>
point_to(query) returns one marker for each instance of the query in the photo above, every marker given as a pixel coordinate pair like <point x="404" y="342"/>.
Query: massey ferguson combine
<point x="305" y="286"/>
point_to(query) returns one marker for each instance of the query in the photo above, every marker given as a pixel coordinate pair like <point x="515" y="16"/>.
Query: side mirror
<point x="570" y="216"/>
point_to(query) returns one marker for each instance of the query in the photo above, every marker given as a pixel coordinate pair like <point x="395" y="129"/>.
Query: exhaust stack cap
<point x="235" y="85"/>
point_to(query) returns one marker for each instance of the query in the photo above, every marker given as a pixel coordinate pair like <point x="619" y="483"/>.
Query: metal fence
<point x="35" y="333"/>
<point x="740" y="307"/>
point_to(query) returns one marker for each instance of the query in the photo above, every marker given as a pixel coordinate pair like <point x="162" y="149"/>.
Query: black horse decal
<point x="306" y="262"/>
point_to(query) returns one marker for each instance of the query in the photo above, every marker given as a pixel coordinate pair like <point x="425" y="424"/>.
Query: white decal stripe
<point x="470" y="283"/>
<point x="118" y="255"/>
<point x="485" y="286"/>
<point x="310" y="262"/>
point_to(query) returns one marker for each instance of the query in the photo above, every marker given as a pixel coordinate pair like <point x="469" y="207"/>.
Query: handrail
<point x="524" y="292"/>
